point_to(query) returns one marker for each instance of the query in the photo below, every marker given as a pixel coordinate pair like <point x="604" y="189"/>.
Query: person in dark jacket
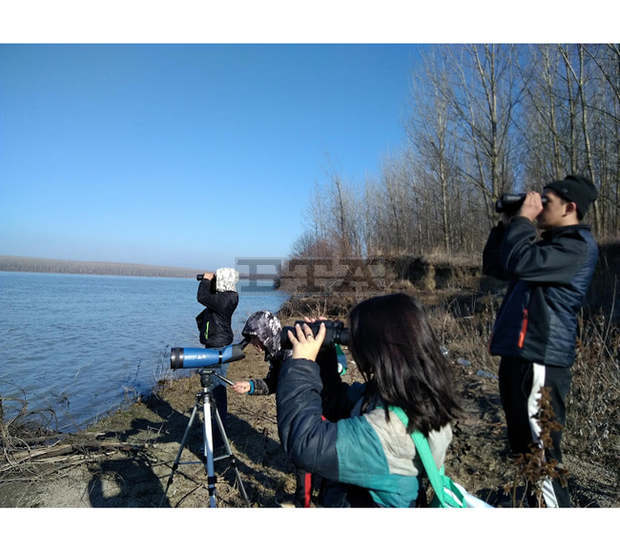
<point x="536" y="326"/>
<point x="263" y="330"/>
<point x="217" y="292"/>
<point x="370" y="452"/>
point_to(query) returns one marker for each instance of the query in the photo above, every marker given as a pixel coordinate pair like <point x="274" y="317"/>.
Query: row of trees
<point x="11" y="263"/>
<point x="484" y="120"/>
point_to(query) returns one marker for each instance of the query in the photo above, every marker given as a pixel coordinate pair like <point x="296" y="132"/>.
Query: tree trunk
<point x="586" y="138"/>
<point x="571" y="149"/>
<point x="344" y="249"/>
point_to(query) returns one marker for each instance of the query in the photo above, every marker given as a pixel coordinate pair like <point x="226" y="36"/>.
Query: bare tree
<point x="431" y="139"/>
<point x="571" y="121"/>
<point x="484" y="120"/>
<point x="580" y="78"/>
<point x="483" y="95"/>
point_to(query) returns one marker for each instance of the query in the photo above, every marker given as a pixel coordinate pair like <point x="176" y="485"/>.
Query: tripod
<point x="204" y="400"/>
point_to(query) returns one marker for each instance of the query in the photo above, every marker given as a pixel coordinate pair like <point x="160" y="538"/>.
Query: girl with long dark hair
<point x="371" y="451"/>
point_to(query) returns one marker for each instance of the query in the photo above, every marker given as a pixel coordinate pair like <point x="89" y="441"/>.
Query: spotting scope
<point x="195" y="357"/>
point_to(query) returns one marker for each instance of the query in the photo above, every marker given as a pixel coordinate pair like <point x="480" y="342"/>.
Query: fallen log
<point x="68" y="448"/>
<point x="72" y="459"/>
<point x="54" y="450"/>
<point x="43" y="438"/>
<point x="116" y="445"/>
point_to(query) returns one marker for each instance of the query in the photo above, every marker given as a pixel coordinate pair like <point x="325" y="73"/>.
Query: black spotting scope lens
<point x="176" y="358"/>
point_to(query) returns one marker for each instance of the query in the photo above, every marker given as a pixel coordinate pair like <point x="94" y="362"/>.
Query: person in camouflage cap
<point x="263" y="329"/>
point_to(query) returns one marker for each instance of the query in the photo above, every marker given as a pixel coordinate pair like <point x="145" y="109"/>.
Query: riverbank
<point x="11" y="263"/>
<point x="124" y="459"/>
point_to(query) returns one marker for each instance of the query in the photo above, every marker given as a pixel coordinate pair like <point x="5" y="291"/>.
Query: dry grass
<point x="457" y="258"/>
<point x="24" y="426"/>
<point x="592" y="406"/>
<point x="532" y="469"/>
<point x="592" y="425"/>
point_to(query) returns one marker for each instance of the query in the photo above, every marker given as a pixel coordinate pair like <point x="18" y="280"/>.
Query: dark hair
<point x="398" y="354"/>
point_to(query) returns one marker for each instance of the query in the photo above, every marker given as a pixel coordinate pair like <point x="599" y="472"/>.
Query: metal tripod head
<point x="206" y="377"/>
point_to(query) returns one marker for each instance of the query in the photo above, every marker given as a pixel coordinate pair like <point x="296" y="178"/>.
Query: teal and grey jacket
<point x="374" y="456"/>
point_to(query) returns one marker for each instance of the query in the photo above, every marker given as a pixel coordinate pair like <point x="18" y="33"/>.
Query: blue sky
<point x="186" y="155"/>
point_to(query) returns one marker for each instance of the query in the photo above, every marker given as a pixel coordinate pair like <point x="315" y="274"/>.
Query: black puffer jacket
<point x="549" y="280"/>
<point x="215" y="322"/>
<point x="332" y="386"/>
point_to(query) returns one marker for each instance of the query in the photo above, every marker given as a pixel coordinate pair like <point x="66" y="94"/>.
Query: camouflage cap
<point x="266" y="327"/>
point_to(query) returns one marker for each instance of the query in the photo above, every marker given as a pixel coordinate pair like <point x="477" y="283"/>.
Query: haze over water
<point x="82" y="344"/>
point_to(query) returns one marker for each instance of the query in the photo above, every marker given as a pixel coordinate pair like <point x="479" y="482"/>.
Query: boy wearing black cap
<point x="536" y="326"/>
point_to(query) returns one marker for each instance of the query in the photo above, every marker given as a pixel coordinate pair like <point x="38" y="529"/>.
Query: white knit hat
<point x="225" y="279"/>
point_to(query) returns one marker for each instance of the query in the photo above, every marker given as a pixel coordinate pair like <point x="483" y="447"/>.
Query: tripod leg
<point x="208" y="448"/>
<point x="176" y="460"/>
<point x="233" y="461"/>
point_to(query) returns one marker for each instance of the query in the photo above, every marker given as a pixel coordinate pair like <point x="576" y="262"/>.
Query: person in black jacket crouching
<point x="536" y="326"/>
<point x="263" y="330"/>
<point x="217" y="292"/>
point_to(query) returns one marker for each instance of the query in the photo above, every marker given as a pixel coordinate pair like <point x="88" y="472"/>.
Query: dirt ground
<point x="477" y="458"/>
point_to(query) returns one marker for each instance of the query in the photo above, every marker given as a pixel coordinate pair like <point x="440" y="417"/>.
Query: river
<point x="77" y="346"/>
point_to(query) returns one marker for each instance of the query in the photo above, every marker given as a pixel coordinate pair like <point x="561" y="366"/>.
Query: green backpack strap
<point x="436" y="477"/>
<point x="342" y="360"/>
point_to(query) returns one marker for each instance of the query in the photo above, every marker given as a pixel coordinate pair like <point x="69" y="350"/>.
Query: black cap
<point x="578" y="189"/>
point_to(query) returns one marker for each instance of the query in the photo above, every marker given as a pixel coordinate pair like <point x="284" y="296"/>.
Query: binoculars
<point x="511" y="203"/>
<point x="335" y="333"/>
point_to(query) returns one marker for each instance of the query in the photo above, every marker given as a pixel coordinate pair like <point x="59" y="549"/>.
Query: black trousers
<point x="519" y="386"/>
<point x="303" y="488"/>
<point x="218" y="390"/>
<point x="331" y="493"/>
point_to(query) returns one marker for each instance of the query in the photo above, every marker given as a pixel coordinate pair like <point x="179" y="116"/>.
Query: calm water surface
<point x="80" y="345"/>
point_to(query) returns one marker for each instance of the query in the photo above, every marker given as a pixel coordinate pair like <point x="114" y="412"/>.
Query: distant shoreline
<point x="9" y="263"/>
